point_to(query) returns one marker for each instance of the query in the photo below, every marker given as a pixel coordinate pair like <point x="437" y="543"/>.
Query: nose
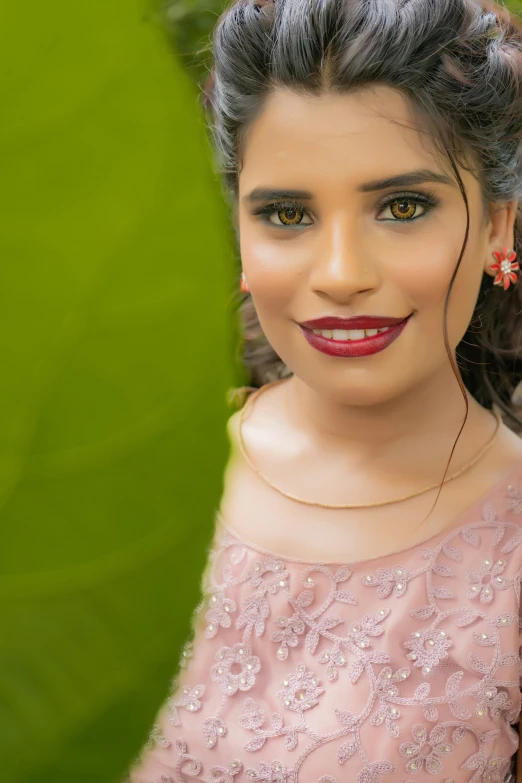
<point x="343" y="265"/>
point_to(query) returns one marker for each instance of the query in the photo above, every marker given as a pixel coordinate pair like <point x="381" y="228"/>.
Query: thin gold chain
<point x="453" y="476"/>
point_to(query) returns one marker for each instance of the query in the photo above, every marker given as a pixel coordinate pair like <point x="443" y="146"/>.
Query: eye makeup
<point x="427" y="200"/>
<point x="266" y="211"/>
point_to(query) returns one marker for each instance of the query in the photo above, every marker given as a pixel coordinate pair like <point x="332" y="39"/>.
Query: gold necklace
<point x="249" y="462"/>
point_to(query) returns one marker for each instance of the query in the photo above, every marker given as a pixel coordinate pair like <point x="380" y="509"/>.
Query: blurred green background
<point x="117" y="344"/>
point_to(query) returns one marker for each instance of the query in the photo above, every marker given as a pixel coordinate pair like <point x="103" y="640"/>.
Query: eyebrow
<point x="408" y="179"/>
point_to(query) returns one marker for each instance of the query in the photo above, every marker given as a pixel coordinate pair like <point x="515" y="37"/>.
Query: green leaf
<point x="515" y="6"/>
<point x="117" y="352"/>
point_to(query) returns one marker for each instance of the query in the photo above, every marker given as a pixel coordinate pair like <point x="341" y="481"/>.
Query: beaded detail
<point x="404" y="668"/>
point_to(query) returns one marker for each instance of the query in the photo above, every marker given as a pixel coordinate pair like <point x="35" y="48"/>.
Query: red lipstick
<point x="366" y="346"/>
<point x="356" y="322"/>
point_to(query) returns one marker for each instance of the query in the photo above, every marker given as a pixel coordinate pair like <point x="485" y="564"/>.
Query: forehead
<point x="336" y="136"/>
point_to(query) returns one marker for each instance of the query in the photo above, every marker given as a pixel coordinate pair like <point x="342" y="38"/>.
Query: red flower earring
<point x="243" y="285"/>
<point x="506" y="268"/>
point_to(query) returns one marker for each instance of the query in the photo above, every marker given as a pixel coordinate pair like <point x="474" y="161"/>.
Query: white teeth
<point x="345" y="335"/>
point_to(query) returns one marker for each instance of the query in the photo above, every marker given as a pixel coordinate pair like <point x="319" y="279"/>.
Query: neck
<point x="424" y="421"/>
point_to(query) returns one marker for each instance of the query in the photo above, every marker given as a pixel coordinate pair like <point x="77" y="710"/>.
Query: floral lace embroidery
<point x="336" y="647"/>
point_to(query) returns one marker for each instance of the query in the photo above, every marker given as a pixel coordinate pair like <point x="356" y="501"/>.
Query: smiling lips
<point x="352" y="337"/>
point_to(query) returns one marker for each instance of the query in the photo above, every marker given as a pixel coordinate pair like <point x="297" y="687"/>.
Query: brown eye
<point x="285" y="214"/>
<point x="404" y="209"/>
<point x="290" y="216"/>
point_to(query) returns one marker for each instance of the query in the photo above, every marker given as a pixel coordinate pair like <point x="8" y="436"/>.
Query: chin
<point x="342" y="388"/>
<point x="367" y="397"/>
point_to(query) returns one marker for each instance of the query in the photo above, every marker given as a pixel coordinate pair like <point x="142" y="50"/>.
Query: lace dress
<point x="396" y="669"/>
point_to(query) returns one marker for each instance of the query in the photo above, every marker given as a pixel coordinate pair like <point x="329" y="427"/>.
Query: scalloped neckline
<point x="453" y="528"/>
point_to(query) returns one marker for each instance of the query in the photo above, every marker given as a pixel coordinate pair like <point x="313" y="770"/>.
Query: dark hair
<point x="459" y="62"/>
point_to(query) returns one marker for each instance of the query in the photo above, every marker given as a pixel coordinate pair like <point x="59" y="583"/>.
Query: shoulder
<point x="235" y="500"/>
<point x="248" y="429"/>
<point x="241" y="397"/>
<point x="233" y="430"/>
<point x="261" y="425"/>
<point x="257" y="443"/>
<point x="236" y="426"/>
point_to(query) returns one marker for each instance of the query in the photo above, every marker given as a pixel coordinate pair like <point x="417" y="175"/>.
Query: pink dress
<point x="396" y="669"/>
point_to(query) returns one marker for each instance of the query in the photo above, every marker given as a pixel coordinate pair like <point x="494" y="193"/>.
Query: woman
<point x="360" y="616"/>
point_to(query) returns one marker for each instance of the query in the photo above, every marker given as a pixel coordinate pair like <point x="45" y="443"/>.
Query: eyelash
<point x="428" y="200"/>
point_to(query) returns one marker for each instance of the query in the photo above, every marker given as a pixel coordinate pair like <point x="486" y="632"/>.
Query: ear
<point x="500" y="231"/>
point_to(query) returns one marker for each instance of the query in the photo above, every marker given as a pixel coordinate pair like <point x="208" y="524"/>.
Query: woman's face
<point x="336" y="242"/>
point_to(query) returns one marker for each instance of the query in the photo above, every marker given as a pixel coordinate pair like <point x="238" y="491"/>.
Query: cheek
<point x="426" y="283"/>
<point x="272" y="272"/>
<point x="425" y="275"/>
